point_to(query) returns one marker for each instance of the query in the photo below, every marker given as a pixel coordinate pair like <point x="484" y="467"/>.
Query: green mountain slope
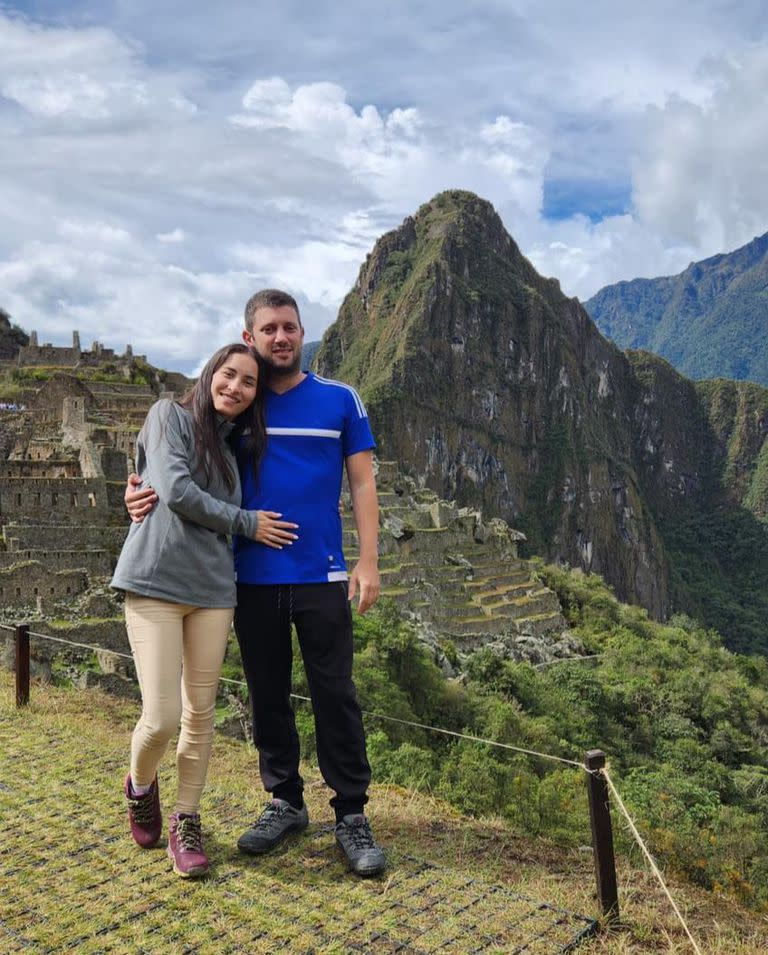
<point x="11" y="337"/>
<point x="491" y="387"/>
<point x="709" y="321"/>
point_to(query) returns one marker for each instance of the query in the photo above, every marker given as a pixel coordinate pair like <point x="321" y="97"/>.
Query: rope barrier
<point x="84" y="646"/>
<point x="649" y="857"/>
<point x="439" y="729"/>
<point x="379" y="716"/>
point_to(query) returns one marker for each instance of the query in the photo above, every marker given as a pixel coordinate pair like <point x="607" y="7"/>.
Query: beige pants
<point x="178" y="651"/>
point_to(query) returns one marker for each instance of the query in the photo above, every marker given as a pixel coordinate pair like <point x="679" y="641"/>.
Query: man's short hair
<point x="268" y="298"/>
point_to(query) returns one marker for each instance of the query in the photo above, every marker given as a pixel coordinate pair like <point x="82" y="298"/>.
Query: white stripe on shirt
<point x="306" y="432"/>
<point x="340" y="384"/>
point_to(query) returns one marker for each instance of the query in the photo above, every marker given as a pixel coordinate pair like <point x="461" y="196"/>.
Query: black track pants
<point x="323" y="622"/>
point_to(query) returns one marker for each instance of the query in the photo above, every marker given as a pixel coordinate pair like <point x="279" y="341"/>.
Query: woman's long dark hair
<point x="249" y="429"/>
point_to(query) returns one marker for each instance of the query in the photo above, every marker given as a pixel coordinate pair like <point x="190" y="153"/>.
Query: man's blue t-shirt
<point x="311" y="429"/>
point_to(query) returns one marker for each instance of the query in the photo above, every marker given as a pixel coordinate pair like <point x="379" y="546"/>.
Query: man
<point x="315" y="427"/>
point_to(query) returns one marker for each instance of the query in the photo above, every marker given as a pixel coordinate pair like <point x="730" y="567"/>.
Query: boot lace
<point x="360" y="835"/>
<point x="142" y="809"/>
<point x="189" y="833"/>
<point x="271" y="815"/>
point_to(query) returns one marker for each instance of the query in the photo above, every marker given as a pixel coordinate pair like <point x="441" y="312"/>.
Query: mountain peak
<point x="492" y="388"/>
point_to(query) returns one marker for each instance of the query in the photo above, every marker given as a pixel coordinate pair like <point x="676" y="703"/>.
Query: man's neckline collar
<point x="305" y="377"/>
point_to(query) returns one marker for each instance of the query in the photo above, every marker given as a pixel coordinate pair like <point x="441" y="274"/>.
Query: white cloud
<point x="92" y="232"/>
<point x="79" y="74"/>
<point x="322" y="123"/>
<point x="121" y="295"/>
<point x="322" y="271"/>
<point x="399" y="157"/>
<point x="175" y="235"/>
<point x="701" y="176"/>
<point x="141" y="188"/>
<point x="585" y="255"/>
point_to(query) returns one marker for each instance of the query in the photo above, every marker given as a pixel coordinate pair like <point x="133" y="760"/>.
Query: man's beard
<point x="282" y="371"/>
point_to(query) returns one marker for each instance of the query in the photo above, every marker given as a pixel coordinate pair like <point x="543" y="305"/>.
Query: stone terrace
<point x="461" y="578"/>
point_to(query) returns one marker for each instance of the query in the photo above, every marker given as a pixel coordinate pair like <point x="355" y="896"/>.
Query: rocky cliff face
<point x="493" y="388"/>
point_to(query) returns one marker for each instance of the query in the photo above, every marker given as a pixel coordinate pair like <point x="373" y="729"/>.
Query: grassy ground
<point x="73" y="881"/>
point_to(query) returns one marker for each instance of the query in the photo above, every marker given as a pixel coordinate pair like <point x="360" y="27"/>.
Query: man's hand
<point x="138" y="502"/>
<point x="365" y="580"/>
<point x="273" y="532"/>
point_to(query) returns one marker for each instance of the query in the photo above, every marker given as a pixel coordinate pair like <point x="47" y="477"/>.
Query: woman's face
<point x="233" y="386"/>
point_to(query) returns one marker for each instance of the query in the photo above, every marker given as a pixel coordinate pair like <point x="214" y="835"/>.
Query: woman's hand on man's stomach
<point x="274" y="532"/>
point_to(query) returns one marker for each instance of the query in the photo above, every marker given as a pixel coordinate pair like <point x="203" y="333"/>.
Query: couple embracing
<point x="255" y="451"/>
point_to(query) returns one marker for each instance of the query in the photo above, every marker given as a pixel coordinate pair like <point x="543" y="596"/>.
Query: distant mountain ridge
<point x="308" y="353"/>
<point x="491" y="387"/>
<point x="710" y="321"/>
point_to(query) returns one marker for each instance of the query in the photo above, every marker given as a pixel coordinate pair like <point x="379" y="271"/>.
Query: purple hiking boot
<point x="144" y="814"/>
<point x="185" y="845"/>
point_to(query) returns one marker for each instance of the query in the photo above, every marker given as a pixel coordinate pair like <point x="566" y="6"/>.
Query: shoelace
<point x="269" y="817"/>
<point x="190" y="834"/>
<point x="360" y="835"/>
<point x="142" y="810"/>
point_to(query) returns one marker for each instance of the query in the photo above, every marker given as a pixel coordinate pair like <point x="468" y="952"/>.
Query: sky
<point x="162" y="161"/>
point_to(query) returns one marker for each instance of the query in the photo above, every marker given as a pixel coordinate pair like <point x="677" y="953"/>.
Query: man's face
<point x="277" y="336"/>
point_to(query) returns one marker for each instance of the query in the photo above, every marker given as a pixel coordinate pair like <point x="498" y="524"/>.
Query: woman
<point x="177" y="571"/>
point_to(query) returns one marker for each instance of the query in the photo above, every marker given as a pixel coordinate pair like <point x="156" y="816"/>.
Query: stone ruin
<point x="65" y="451"/>
<point x="460" y="579"/>
<point x="34" y="354"/>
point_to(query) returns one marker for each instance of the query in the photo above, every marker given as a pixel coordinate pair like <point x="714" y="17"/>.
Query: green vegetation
<point x="11" y="336"/>
<point x="719" y="561"/>
<point x="681" y="719"/>
<point x="737" y="413"/>
<point x="10" y="390"/>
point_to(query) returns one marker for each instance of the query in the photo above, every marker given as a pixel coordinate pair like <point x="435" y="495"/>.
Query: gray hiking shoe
<point x="278" y="819"/>
<point x="354" y="837"/>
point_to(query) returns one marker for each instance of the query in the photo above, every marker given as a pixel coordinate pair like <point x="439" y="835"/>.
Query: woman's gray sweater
<point x="180" y="551"/>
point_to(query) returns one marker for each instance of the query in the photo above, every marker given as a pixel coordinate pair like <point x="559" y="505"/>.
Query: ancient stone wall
<point x="48" y="355"/>
<point x="129" y="408"/>
<point x="19" y="537"/>
<point x="34" y="354"/>
<point x="94" y="562"/>
<point x="115" y="465"/>
<point x="23" y="583"/>
<point x="65" y="500"/>
<point x="100" y="388"/>
<point x="109" y="634"/>
<point x="38" y="449"/>
<point x="49" y="468"/>
<point x="124" y="441"/>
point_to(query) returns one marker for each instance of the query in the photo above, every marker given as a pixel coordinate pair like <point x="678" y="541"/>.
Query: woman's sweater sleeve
<point x="168" y="469"/>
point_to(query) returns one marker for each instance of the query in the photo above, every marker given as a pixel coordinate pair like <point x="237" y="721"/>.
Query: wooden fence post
<point x="602" y="835"/>
<point x="22" y="664"/>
